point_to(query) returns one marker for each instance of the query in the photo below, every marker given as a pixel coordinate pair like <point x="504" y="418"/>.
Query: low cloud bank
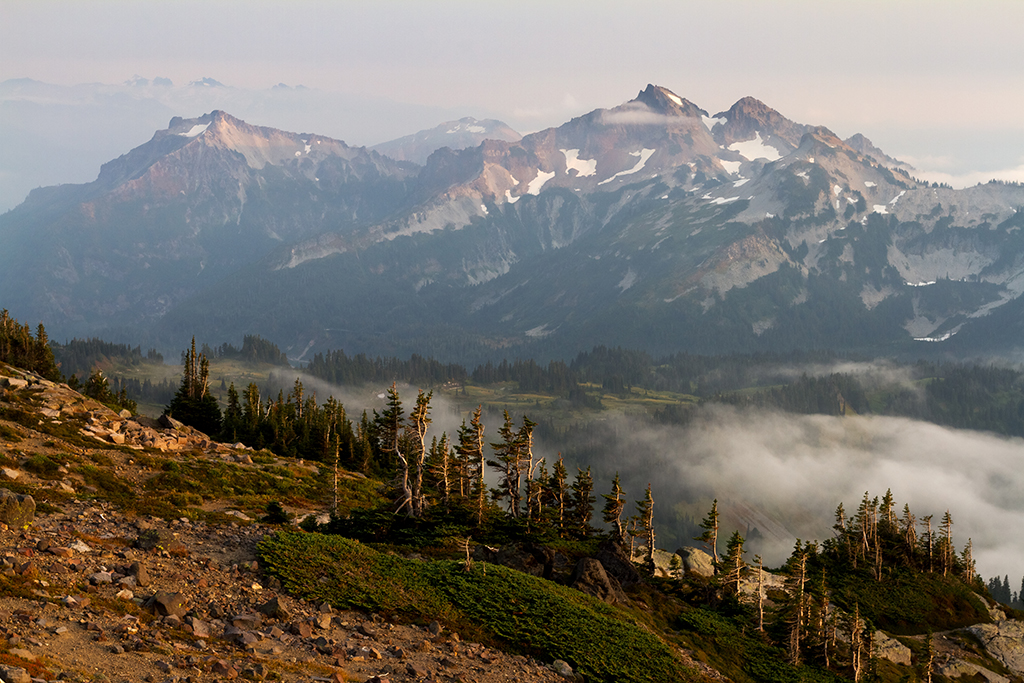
<point x="791" y="471"/>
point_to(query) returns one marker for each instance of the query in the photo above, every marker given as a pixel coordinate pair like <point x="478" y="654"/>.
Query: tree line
<point x="883" y="568"/>
<point x="19" y="347"/>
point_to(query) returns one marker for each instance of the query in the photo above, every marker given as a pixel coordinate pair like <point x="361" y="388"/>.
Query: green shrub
<point x="493" y="604"/>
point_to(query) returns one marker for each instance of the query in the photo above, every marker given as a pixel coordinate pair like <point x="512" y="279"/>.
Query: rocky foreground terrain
<point x="91" y="592"/>
<point x="95" y="587"/>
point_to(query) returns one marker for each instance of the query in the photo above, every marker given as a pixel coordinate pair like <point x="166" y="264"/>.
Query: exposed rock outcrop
<point x="697" y="561"/>
<point x="1004" y="641"/>
<point x="590" y="577"/>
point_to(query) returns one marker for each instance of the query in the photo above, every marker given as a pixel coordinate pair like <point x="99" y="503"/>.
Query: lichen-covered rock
<point x="16" y="510"/>
<point x="1004" y="641"/>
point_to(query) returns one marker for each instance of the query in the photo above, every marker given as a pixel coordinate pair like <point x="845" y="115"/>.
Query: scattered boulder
<point x="14" y="383"/>
<point x="138" y="571"/>
<point x="165" y="604"/>
<point x="590" y="577"/>
<point x="275" y="610"/>
<point x="697" y="561"/>
<point x="168" y="422"/>
<point x="16" y="510"/>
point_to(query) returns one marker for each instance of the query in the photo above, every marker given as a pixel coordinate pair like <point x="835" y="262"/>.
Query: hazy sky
<point x="940" y="83"/>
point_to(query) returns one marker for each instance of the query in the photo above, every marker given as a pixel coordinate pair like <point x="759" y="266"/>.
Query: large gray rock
<point x="16" y="511"/>
<point x="1004" y="641"/>
<point x="590" y="577"/>
<point x="891" y="649"/>
<point x="697" y="561"/>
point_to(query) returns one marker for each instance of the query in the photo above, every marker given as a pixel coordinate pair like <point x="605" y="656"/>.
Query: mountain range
<point x="652" y="225"/>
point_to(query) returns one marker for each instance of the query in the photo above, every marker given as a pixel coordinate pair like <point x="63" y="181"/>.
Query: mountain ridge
<point x="661" y="210"/>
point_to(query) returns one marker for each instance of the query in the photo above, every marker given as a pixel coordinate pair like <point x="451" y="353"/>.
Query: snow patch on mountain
<point x="755" y="149"/>
<point x="537" y="183"/>
<point x="732" y="167"/>
<point x="583" y="167"/>
<point x="644" y="155"/>
<point x="627" y="280"/>
<point x="195" y="130"/>
<point x="710" y="121"/>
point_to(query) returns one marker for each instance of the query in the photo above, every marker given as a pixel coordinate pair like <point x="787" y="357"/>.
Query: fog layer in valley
<point x="785" y="474"/>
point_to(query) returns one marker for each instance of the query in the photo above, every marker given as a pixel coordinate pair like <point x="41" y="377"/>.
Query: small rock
<point x="562" y="668"/>
<point x="141" y="575"/>
<point x="80" y="546"/>
<point x="14" y="674"/>
<point x="275" y="610"/>
<point x="165" y="603"/>
<point x="416" y="670"/>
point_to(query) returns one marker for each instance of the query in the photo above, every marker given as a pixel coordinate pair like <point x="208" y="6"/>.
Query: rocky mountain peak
<point x="865" y="147"/>
<point x="750" y="117"/>
<point x="663" y="100"/>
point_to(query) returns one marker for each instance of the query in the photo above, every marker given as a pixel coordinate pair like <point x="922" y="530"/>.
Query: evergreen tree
<point x="193" y="404"/>
<point x="582" y="501"/>
<point x="733" y="564"/>
<point x="615" y="503"/>
<point x="710" y="535"/>
<point x="233" y="417"/>
<point x="419" y="420"/>
<point x="390" y="432"/>
<point x="471" y="450"/>
<point x="558" y="495"/>
<point x="508" y="462"/>
<point x="645" y="522"/>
